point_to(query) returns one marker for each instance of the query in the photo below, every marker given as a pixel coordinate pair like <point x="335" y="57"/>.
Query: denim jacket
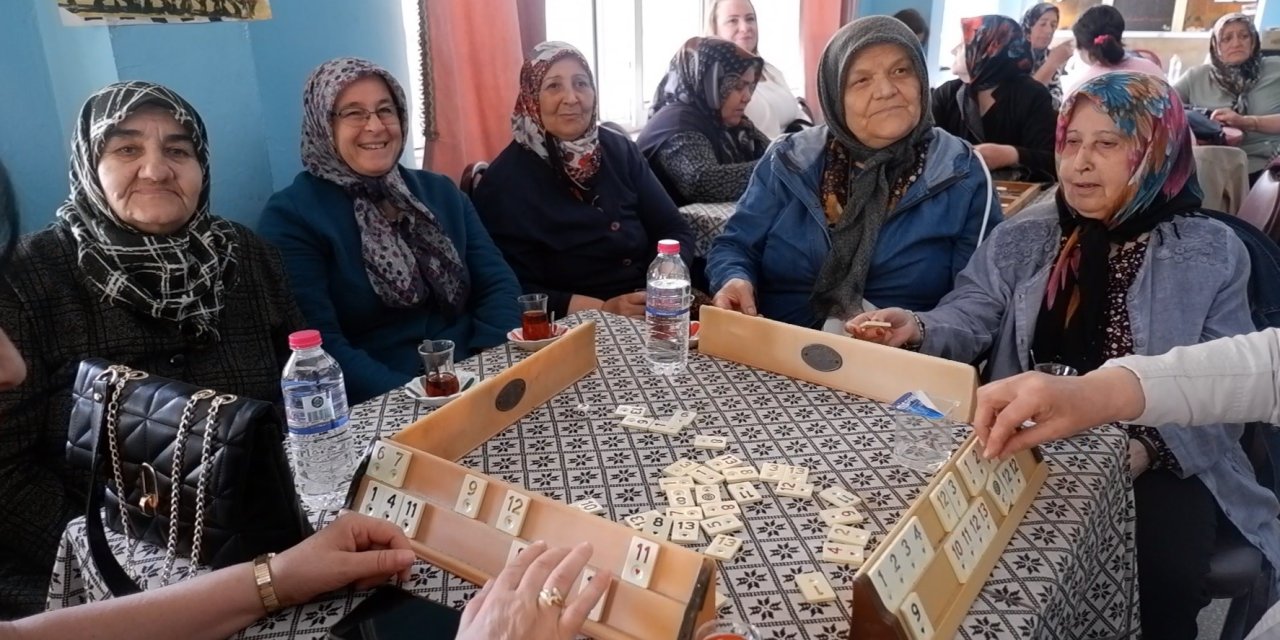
<point x="777" y="239"/>
<point x="1191" y="288"/>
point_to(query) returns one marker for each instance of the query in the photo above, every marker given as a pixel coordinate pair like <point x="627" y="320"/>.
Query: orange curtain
<point x="474" y="61"/>
<point x="819" y="20"/>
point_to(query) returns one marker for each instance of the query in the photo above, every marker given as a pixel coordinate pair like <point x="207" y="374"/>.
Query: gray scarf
<point x="873" y="172"/>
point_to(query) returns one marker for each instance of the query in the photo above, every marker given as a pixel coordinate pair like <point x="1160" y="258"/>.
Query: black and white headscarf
<point x="409" y="261"/>
<point x="181" y="277"/>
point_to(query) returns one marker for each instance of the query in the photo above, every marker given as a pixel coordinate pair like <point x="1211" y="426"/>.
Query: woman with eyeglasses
<point x="699" y="140"/>
<point x="381" y="257"/>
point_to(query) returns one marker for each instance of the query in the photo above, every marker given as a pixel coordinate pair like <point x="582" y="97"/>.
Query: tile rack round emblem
<point x="511" y="395"/>
<point x="821" y="357"/>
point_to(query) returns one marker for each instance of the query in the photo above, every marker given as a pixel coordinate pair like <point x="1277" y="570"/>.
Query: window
<point x="1160" y="15"/>
<point x="630" y="44"/>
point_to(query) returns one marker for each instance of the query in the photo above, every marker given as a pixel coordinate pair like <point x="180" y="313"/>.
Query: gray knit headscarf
<point x="873" y="172"/>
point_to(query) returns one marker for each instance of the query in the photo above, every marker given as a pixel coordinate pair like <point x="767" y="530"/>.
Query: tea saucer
<point x="517" y="336"/>
<point x="414" y="389"/>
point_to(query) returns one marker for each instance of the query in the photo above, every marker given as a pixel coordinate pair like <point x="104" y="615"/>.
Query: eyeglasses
<point x="358" y="117"/>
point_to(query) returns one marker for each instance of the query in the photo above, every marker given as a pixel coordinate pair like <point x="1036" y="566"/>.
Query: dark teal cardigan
<point x="313" y="224"/>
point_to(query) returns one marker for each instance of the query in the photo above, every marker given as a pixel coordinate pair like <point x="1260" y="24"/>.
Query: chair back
<point x="471" y="176"/>
<point x="1149" y="55"/>
<point x="1174" y="72"/>
<point x="1261" y="208"/>
<point x="1264" y="270"/>
<point x="1224" y="176"/>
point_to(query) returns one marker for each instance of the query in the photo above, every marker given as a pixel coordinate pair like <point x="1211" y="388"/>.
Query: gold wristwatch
<point x="262" y="576"/>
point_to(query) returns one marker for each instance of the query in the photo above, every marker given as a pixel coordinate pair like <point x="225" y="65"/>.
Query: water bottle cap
<point x="668" y="247"/>
<point x="306" y="339"/>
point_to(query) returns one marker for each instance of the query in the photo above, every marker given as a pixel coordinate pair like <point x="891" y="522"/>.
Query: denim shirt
<point x="1191" y="288"/>
<point x="777" y="238"/>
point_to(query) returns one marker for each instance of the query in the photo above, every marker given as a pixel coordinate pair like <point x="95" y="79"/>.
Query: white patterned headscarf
<point x="577" y="160"/>
<point x="182" y="277"/>
<point x="410" y="261"/>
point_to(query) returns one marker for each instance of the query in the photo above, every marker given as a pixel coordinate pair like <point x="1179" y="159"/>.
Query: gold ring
<point x="551" y="597"/>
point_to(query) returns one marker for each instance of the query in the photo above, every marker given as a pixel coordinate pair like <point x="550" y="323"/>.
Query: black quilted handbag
<point x="233" y="498"/>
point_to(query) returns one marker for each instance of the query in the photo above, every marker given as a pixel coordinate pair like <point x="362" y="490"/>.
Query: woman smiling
<point x="574" y="207"/>
<point x="137" y="270"/>
<point x="381" y="257"/>
<point x="876" y="205"/>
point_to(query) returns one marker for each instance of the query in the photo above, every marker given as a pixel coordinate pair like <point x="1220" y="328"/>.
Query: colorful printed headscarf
<point x="409" y="261"/>
<point x="1236" y="79"/>
<point x="577" y="160"/>
<point x="995" y="50"/>
<point x="1162" y="185"/>
<point x="182" y="277"/>
<point x="701" y="75"/>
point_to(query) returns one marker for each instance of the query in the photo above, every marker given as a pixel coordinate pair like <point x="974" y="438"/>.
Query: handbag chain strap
<point x="176" y="476"/>
<point x="120" y="376"/>
<point x="206" y="466"/>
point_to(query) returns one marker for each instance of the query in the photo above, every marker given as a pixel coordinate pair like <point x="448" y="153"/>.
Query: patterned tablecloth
<point x="707" y="220"/>
<point x="1069" y="571"/>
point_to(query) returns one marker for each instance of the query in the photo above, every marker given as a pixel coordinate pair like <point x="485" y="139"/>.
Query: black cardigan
<point x="1022" y="117"/>
<point x="559" y="245"/>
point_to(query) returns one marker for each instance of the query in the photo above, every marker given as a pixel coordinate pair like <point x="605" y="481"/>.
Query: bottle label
<point x="666" y="312"/>
<point x="317" y="415"/>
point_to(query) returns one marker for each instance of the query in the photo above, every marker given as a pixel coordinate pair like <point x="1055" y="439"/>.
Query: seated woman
<point x="1039" y="24"/>
<point x="995" y="104"/>
<point x="773" y="108"/>
<point x="574" y="207"/>
<point x="136" y="270"/>
<point x="1241" y="87"/>
<point x="1121" y="264"/>
<point x="698" y="139"/>
<point x="1099" y="33"/>
<point x="876" y="204"/>
<point x="382" y="257"/>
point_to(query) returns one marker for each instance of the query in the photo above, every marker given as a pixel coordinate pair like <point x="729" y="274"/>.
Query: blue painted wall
<point x="245" y="79"/>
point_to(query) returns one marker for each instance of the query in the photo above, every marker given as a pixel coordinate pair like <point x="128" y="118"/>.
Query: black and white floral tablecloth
<point x="707" y="220"/>
<point x="1069" y="571"/>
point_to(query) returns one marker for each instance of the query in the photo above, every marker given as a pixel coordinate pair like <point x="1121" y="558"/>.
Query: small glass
<point x="722" y="629"/>
<point x="1056" y="369"/>
<point x="437" y="360"/>
<point x="534" y="324"/>
<point x="923" y="444"/>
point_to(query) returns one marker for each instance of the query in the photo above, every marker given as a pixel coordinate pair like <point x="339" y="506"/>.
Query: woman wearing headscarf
<point x="1120" y="264"/>
<point x="381" y="257"/>
<point x="698" y="140"/>
<point x="995" y="104"/>
<point x="877" y="206"/>
<point x="573" y="206"/>
<point x="773" y="108"/>
<point x="1241" y="87"/>
<point x="135" y="269"/>
<point x="1039" y="24"/>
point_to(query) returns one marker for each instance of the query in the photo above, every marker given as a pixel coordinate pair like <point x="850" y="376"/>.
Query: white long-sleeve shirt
<point x="1233" y="379"/>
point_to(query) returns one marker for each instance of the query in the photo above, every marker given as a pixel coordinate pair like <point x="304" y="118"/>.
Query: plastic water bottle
<point x="666" y="311"/>
<point x="320" y="445"/>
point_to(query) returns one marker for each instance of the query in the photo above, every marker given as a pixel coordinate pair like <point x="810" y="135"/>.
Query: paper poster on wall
<point x="120" y="12"/>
